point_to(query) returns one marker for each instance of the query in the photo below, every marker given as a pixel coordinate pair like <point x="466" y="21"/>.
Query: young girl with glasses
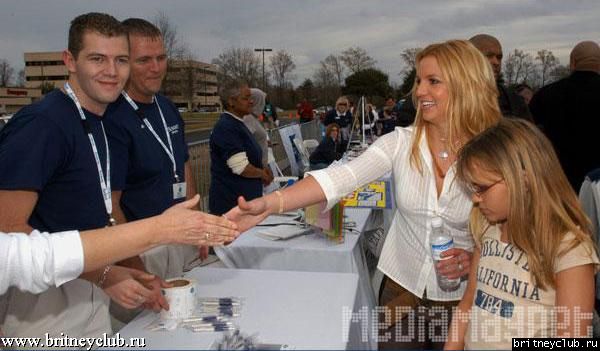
<point x="532" y="271"/>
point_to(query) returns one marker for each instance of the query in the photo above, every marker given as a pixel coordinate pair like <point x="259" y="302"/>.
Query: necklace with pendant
<point x="444" y="154"/>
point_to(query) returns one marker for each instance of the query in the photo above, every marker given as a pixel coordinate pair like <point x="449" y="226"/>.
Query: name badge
<point x="179" y="190"/>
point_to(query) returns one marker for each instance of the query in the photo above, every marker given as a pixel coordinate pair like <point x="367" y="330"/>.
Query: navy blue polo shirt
<point x="229" y="137"/>
<point x="44" y="148"/>
<point x="333" y="117"/>
<point x="142" y="169"/>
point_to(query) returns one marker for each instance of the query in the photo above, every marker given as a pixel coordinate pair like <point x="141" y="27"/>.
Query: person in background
<point x="38" y="261"/>
<point x="456" y="99"/>
<point x="530" y="230"/>
<point x="270" y="114"/>
<point x="511" y="104"/>
<point x="149" y="155"/>
<point x="305" y="111"/>
<point x="371" y="120"/>
<point x="569" y="114"/>
<point x="326" y="152"/>
<point x="236" y="158"/>
<point x="257" y="130"/>
<point x="343" y="118"/>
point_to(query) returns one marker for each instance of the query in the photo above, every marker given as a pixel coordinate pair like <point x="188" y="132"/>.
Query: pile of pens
<point x="215" y="314"/>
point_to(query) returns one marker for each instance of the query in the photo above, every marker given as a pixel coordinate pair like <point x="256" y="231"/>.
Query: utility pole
<point x="263" y="65"/>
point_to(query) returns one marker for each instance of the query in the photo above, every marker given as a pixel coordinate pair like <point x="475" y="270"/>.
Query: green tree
<point x="306" y="89"/>
<point x="407" y="83"/>
<point x="370" y="82"/>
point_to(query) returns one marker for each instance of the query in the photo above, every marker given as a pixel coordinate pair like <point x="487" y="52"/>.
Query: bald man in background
<point x="511" y="103"/>
<point x="568" y="112"/>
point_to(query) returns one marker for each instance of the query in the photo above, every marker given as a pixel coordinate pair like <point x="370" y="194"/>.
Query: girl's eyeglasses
<point x="479" y="190"/>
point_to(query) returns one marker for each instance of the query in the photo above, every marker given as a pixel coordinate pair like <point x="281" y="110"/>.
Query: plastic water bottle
<point x="440" y="242"/>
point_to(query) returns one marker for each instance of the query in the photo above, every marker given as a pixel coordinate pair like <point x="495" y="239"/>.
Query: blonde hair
<point x="472" y="94"/>
<point x="543" y="207"/>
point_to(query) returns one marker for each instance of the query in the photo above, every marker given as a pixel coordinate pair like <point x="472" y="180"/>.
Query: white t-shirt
<point x="507" y="304"/>
<point x="37" y="261"/>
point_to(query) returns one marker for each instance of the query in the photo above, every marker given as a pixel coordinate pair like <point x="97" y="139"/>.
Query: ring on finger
<point x="207" y="235"/>
<point x="460" y="267"/>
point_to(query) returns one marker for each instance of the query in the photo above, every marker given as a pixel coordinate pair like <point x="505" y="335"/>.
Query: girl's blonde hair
<point x="472" y="93"/>
<point x="543" y="207"/>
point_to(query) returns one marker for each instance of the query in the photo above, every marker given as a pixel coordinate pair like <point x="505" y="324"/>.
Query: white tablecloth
<point x="311" y="253"/>
<point x="303" y="310"/>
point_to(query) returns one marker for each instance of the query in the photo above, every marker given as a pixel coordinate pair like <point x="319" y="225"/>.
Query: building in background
<point x="192" y="85"/>
<point x="13" y="98"/>
<point x="45" y="70"/>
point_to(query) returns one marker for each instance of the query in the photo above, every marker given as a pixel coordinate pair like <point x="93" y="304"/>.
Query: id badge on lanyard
<point x="179" y="188"/>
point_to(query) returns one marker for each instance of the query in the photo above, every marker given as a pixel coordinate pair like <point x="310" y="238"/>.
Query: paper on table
<point x="272" y="220"/>
<point x="282" y="232"/>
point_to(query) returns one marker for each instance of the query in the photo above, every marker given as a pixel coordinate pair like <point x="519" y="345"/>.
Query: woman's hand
<point x="187" y="226"/>
<point x="457" y="266"/>
<point x="248" y="214"/>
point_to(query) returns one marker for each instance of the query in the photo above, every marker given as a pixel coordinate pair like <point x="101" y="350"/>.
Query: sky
<point x="312" y="29"/>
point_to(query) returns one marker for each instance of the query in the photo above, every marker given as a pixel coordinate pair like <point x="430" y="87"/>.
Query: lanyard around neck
<point x="104" y="182"/>
<point x="169" y="150"/>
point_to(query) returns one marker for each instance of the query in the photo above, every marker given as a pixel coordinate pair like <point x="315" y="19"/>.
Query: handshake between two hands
<point x="184" y="224"/>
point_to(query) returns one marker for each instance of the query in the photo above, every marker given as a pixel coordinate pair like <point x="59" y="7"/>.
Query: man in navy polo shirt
<point x="148" y="150"/>
<point x="55" y="176"/>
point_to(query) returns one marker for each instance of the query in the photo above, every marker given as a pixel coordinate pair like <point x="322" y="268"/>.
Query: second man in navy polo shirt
<point x="148" y="149"/>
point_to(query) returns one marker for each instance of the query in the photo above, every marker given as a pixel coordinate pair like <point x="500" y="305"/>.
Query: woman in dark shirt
<point x="326" y="152"/>
<point x="236" y="159"/>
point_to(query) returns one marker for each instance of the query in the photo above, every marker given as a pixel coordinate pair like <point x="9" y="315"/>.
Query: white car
<point x="182" y="109"/>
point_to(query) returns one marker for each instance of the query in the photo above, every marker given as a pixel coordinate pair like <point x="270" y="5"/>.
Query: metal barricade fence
<point x="199" y="152"/>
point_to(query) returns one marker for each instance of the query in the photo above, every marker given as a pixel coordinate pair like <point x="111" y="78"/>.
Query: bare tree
<point x="519" y="68"/>
<point x="6" y="73"/>
<point x="409" y="71"/>
<point x="357" y="59"/>
<point x="174" y="47"/>
<point x="324" y="77"/>
<point x="409" y="57"/>
<point x="21" y="78"/>
<point x="334" y="65"/>
<point x="183" y="78"/>
<point x="282" y="65"/>
<point x="326" y="84"/>
<point x="547" y="64"/>
<point x="238" y="64"/>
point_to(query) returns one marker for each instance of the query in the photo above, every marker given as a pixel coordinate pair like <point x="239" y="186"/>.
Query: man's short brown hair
<point x="142" y="28"/>
<point x="101" y="23"/>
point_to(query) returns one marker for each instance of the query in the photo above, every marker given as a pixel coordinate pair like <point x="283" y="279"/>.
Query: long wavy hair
<point x="543" y="207"/>
<point x="472" y="94"/>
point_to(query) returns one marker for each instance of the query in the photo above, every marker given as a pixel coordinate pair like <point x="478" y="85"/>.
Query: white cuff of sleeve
<point x="68" y="256"/>
<point x="326" y="184"/>
<point x="238" y="162"/>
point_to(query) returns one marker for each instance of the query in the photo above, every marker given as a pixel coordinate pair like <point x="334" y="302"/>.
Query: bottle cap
<point x="436" y="222"/>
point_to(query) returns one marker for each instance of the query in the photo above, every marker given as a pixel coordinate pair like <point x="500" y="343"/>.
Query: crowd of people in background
<point x="499" y="165"/>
